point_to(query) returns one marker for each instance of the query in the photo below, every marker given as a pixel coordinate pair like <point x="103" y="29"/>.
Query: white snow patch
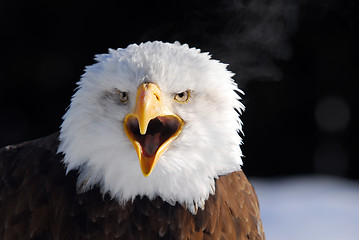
<point x="309" y="207"/>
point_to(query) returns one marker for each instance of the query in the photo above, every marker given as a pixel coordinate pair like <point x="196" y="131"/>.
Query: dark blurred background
<point x="297" y="62"/>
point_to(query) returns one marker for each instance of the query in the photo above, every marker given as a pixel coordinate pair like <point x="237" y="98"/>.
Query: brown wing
<point x="233" y="212"/>
<point x="39" y="201"/>
<point x="33" y="188"/>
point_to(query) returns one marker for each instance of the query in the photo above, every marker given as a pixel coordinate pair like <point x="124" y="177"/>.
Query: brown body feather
<point x="39" y="201"/>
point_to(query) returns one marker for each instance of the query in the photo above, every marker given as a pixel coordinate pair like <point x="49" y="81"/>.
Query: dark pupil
<point x="181" y="95"/>
<point x="123" y="95"/>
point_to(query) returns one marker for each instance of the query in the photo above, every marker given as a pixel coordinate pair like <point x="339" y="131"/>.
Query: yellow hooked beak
<point x="151" y="127"/>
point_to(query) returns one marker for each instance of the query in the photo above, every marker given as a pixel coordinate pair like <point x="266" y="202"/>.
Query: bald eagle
<point x="148" y="149"/>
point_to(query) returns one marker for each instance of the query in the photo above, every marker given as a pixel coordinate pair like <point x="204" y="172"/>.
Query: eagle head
<point x="155" y="120"/>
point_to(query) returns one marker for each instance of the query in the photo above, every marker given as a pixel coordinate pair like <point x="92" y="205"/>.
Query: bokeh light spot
<point x="332" y="114"/>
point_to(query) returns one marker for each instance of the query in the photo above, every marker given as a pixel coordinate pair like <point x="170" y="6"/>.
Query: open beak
<point x="151" y="127"/>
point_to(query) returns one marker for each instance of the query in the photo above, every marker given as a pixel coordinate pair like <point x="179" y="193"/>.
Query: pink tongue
<point x="151" y="144"/>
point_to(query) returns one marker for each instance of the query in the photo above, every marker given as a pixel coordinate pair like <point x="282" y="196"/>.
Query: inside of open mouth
<point x="159" y="130"/>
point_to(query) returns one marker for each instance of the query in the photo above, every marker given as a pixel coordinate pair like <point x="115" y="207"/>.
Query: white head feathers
<point x="94" y="142"/>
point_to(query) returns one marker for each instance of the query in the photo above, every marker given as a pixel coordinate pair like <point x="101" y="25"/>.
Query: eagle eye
<point x="123" y="96"/>
<point x="182" y="97"/>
